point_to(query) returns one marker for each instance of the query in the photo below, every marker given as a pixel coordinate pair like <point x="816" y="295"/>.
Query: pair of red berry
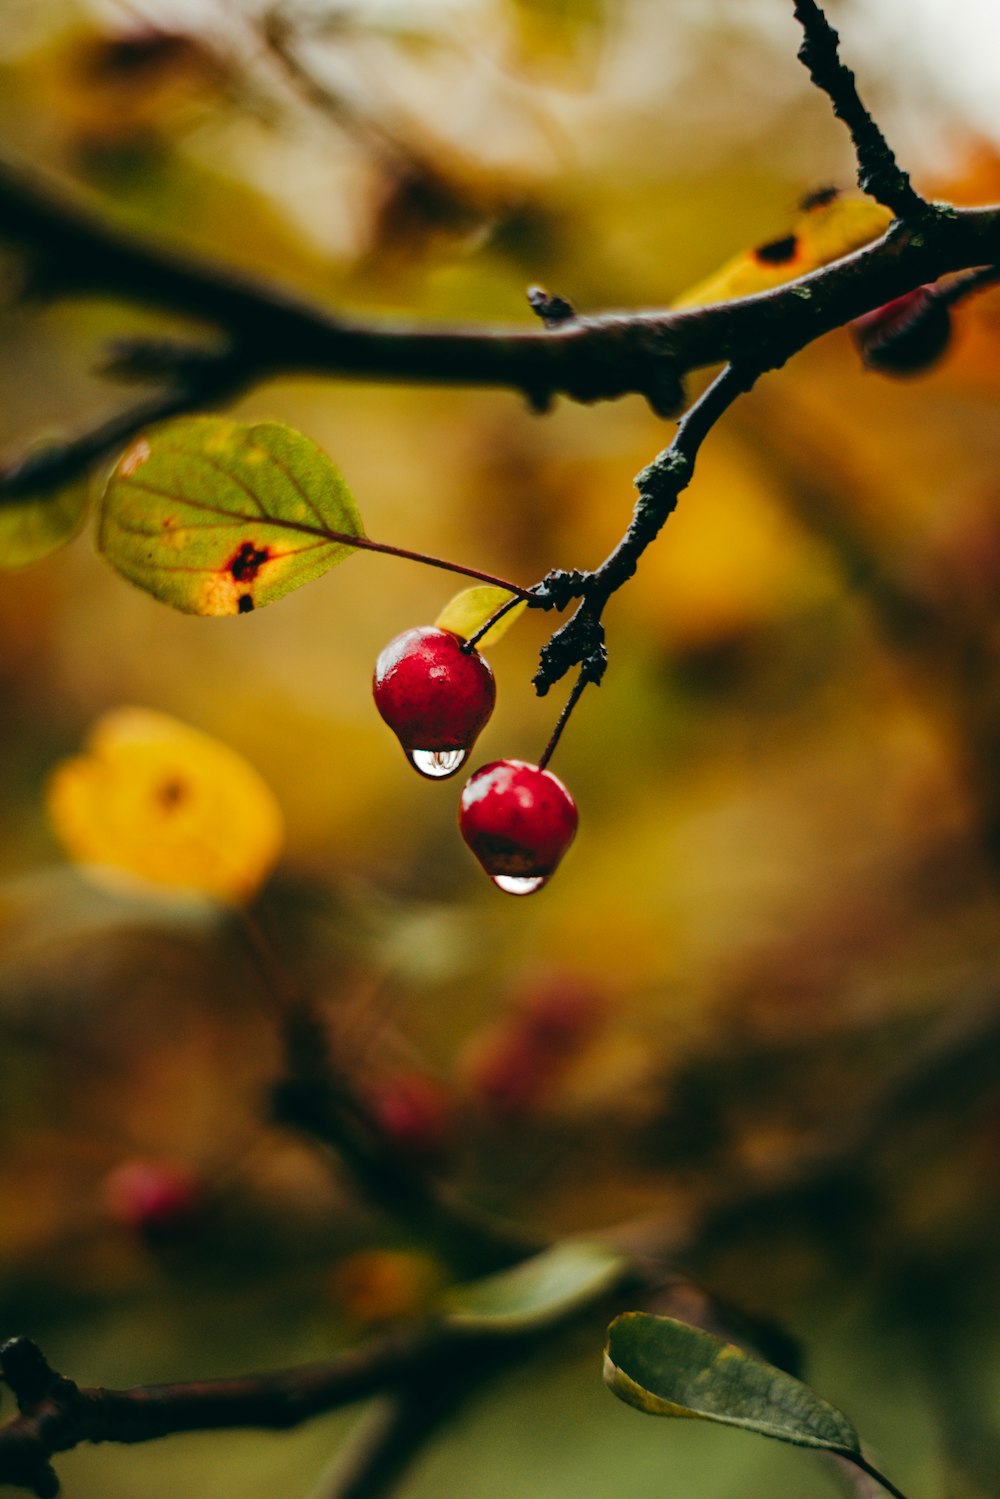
<point x="436" y="694"/>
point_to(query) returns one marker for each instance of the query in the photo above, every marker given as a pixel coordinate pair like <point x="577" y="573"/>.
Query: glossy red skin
<point x="431" y="693"/>
<point x="905" y="336"/>
<point x="517" y="819"/>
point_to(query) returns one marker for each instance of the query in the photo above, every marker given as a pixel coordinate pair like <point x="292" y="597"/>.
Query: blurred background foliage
<point x="765" y="980"/>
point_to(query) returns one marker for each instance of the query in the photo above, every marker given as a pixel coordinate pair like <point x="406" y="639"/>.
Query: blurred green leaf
<point x="217" y="517"/>
<point x="538" y="1290"/>
<point x="33" y="527"/>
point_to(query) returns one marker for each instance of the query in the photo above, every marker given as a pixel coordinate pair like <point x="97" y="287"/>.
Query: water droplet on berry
<point x="437" y="764"/>
<point x="519" y="884"/>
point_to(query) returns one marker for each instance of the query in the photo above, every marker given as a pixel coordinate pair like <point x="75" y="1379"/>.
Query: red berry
<point x="159" y="1200"/>
<point x="906" y="336"/>
<point x="518" y="820"/>
<point x="435" y="696"/>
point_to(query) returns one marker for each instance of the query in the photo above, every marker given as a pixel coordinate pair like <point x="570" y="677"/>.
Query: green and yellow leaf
<point x="469" y="610"/>
<point x="667" y="1368"/>
<point x="219" y="517"/>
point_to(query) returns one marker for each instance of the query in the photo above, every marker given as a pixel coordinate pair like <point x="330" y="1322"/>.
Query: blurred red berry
<point x="415" y="1112"/>
<point x="906" y="336"/>
<point x="515" y="1065"/>
<point x="158" y="1200"/>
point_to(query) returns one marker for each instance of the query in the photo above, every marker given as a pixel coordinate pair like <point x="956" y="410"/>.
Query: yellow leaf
<point x="830" y="227"/>
<point x="166" y="804"/>
<point x="469" y="610"/>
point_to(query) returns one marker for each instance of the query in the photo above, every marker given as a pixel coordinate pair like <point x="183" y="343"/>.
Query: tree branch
<point x="581" y="640"/>
<point x="47" y="467"/>
<point x="878" y="172"/>
<point x="270" y="330"/>
<point x="56" y="1414"/>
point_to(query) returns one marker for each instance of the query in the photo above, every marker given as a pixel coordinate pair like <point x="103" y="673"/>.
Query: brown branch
<point x="581" y="640"/>
<point x="56" y="1414"/>
<point x="878" y="172"/>
<point x="270" y="330"/>
<point x="43" y="469"/>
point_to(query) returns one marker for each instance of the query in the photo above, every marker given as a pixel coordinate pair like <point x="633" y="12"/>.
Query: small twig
<point x="661" y="482"/>
<point x="581" y="640"/>
<point x="45" y="468"/>
<point x="552" y="310"/>
<point x="878" y="172"/>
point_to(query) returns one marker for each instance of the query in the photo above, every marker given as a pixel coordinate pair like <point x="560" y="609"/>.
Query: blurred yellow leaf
<point x="166" y="804"/>
<point x="830" y="226"/>
<point x="469" y="610"/>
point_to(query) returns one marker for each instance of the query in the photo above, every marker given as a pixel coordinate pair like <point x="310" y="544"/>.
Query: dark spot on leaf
<point x="819" y="198"/>
<point x="778" y="251"/>
<point x="244" y="603"/>
<point x="247" y="562"/>
<point x="171" y="793"/>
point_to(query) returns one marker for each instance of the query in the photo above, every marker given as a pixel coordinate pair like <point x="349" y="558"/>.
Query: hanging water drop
<point x="437" y="764"/>
<point x="523" y="884"/>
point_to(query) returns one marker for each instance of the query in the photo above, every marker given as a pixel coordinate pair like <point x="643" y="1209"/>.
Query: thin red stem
<point x="365" y="544"/>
